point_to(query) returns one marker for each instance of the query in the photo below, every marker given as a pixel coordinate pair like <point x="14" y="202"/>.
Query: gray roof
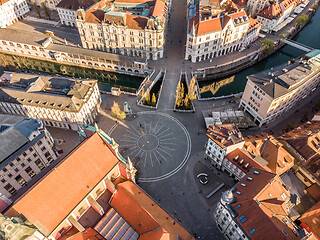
<point x="14" y="133"/>
<point x="93" y="53"/>
<point x="76" y="4"/>
<point x="45" y="91"/>
<point x="283" y="79"/>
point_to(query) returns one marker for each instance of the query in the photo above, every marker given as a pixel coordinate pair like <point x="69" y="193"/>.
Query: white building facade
<point x="116" y="30"/>
<point x="63" y="108"/>
<point x="222" y="139"/>
<point x="214" y="36"/>
<point x="11" y="11"/>
<point x="269" y="94"/>
<point x="24" y="160"/>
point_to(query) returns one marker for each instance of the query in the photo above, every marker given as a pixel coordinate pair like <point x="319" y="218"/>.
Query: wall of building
<point x="30" y="162"/>
<point x="39" y="52"/>
<point x="56" y="117"/>
<point x="12" y="11"/>
<point x="145" y="43"/>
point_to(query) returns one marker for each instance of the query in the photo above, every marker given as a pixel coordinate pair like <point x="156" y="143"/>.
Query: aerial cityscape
<point x="159" y="119"/>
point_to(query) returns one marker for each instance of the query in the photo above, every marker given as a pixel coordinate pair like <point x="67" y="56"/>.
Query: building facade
<point x="106" y="199"/>
<point x="67" y="10"/>
<point x="222" y="139"/>
<point x="303" y="143"/>
<point x="249" y="211"/>
<point x="131" y="28"/>
<point x="75" y="56"/>
<point x="274" y="14"/>
<point x="270" y="93"/>
<point x="26" y="149"/>
<point x="60" y="102"/>
<point x="11" y="11"/>
<point x="238" y="163"/>
<point x="254" y="7"/>
<point x="215" y="33"/>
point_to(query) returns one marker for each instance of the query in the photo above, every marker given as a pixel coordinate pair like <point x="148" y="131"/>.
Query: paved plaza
<point x="157" y="143"/>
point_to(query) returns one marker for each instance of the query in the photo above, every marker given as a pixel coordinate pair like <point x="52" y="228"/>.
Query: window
<point x="39" y="164"/>
<point x="242" y="219"/>
<point x="43" y="148"/>
<point x="30" y="172"/>
<point x="4" y="169"/>
<point x="252" y="231"/>
<point x="35" y="155"/>
<point x="3" y="180"/>
<point x="284" y="232"/>
<point x="18" y="159"/>
<point x="284" y="196"/>
<point x="24" y="154"/>
<point x="9" y="175"/>
<point x="23" y="165"/>
<point x="11" y="164"/>
<point x="28" y="159"/>
<point x="20" y="180"/>
<point x="16" y="170"/>
<point x="10" y="189"/>
<point x="39" y="143"/>
<point x="30" y="149"/>
<point x="47" y="154"/>
<point x="237" y="207"/>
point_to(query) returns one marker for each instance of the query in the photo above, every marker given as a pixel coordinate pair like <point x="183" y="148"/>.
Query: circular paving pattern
<point x="148" y="142"/>
<point x="157" y="144"/>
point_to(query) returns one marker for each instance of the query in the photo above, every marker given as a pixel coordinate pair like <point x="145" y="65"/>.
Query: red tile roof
<point x="136" y="22"/>
<point x="94" y="16"/>
<point x="311" y="220"/>
<point x="88" y="234"/>
<point x="242" y="160"/>
<point x="314" y="191"/>
<point x="159" y="9"/>
<point x="271" y="12"/>
<point x="208" y="26"/>
<point x="145" y="215"/>
<point x="50" y="201"/>
<point x="260" y="202"/>
<point x="224" y="134"/>
<point x="76" y="4"/>
<point x="271" y="150"/>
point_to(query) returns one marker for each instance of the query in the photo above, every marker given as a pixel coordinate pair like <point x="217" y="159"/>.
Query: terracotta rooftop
<point x="88" y="234"/>
<point x="76" y="4"/>
<point x="145" y="215"/>
<point x="242" y="160"/>
<point x="306" y="141"/>
<point x="314" y="191"/>
<point x="65" y="185"/>
<point x="241" y="3"/>
<point x="310" y="220"/>
<point x="260" y="206"/>
<point x="271" y="150"/>
<point x="271" y="12"/>
<point x="225" y="134"/>
<point x="253" y="23"/>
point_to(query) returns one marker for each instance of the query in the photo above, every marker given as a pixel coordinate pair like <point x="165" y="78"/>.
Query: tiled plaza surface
<point x="158" y="144"/>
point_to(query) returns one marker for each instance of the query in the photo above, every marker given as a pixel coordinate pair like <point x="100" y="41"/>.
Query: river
<point x="310" y="36"/>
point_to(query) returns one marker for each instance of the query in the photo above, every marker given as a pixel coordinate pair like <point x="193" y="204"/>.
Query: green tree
<point x="147" y="98"/>
<point x="283" y="35"/>
<point x="301" y="20"/>
<point x="187" y="101"/>
<point x="179" y="94"/>
<point x="192" y="92"/>
<point x="315" y="6"/>
<point x="268" y="45"/>
<point x="153" y="100"/>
